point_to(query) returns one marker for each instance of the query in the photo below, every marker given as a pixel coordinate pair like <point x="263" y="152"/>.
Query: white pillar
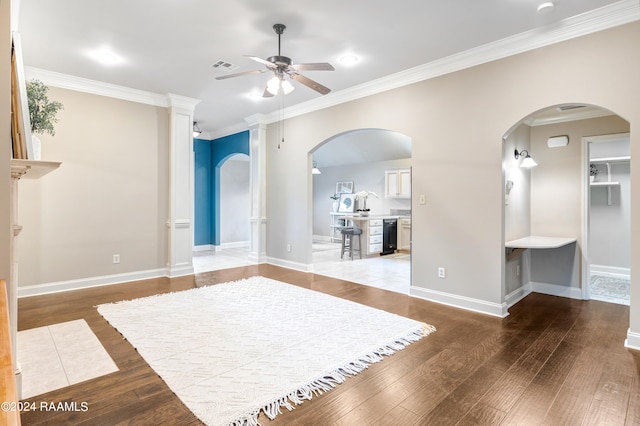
<point x="258" y="187"/>
<point x="181" y="190"/>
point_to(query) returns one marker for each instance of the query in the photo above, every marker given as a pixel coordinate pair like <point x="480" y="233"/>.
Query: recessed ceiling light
<point x="546" y="7"/>
<point x="105" y="56"/>
<point x="349" y="59"/>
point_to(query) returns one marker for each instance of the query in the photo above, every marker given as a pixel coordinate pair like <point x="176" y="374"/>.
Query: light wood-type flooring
<point x="553" y="361"/>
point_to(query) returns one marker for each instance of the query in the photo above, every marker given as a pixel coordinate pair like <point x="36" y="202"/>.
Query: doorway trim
<point x="586" y="201"/>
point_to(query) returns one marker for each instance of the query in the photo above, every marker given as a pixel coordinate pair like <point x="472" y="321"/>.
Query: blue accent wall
<point x="209" y="157"/>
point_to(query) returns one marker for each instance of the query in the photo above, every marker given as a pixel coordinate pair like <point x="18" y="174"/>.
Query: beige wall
<point x="456" y="123"/>
<point x="556" y="205"/>
<point x="517" y="208"/>
<point x="108" y="197"/>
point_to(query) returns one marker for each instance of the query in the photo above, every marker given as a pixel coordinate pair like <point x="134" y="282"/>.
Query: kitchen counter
<point x="375" y="217"/>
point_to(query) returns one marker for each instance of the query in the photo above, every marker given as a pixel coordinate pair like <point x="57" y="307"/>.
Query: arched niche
<point x="552" y="198"/>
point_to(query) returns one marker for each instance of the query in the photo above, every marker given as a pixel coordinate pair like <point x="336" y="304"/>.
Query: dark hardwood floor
<point x="553" y="361"/>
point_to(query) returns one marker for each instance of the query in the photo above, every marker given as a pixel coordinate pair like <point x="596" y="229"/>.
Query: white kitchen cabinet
<point x="397" y="183"/>
<point x="404" y="234"/>
<point x="374" y="236"/>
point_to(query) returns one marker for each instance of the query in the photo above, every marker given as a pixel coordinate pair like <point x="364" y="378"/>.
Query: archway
<point x="549" y="200"/>
<point x="363" y="160"/>
<point x="234" y="202"/>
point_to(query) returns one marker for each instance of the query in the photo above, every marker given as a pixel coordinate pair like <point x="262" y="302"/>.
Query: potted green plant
<point x="42" y="113"/>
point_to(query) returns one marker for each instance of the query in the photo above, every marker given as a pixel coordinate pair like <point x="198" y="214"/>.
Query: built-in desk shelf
<point x="537" y="242"/>
<point x="516" y="247"/>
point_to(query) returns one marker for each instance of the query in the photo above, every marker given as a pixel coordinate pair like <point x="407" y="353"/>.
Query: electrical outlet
<point x="517" y="270"/>
<point x="442" y="273"/>
<point x="289" y="248"/>
<point x="116" y="258"/>
<point x="423" y="199"/>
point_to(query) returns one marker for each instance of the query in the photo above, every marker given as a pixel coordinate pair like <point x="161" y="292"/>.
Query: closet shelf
<point x="605" y="184"/>
<point x="623" y="159"/>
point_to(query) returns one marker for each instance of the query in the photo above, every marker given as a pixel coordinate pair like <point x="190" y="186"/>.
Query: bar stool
<point x="347" y="241"/>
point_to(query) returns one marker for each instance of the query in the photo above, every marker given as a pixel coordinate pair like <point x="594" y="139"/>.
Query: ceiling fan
<point x="282" y="66"/>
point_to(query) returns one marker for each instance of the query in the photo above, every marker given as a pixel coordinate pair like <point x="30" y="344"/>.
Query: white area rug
<point x="230" y="350"/>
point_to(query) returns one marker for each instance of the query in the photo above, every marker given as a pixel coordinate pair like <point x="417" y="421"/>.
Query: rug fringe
<point x="333" y="378"/>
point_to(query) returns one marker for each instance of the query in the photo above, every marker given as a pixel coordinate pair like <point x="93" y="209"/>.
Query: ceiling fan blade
<point x="320" y="66"/>
<point x="262" y="61"/>
<point x="310" y="83"/>
<point x="238" y="74"/>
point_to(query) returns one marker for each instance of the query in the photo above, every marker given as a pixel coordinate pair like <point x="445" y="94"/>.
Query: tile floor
<point x="391" y="272"/>
<point x="610" y="289"/>
<point x="60" y="355"/>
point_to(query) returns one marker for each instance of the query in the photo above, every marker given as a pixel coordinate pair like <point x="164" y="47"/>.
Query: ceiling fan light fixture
<point x="287" y="87"/>
<point x="273" y="85"/>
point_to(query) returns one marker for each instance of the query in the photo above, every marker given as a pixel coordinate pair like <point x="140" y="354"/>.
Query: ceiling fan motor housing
<point x="279" y="60"/>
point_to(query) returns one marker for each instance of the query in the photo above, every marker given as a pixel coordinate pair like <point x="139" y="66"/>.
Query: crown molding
<point x="65" y="81"/>
<point x="182" y="102"/>
<point x="616" y="14"/>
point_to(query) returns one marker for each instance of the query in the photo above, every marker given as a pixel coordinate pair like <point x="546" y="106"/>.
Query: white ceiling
<point x="169" y="46"/>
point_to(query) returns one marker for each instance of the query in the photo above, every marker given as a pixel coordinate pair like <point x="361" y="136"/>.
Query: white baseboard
<point x="517" y="295"/>
<point x="289" y="264"/>
<point x="322" y="238"/>
<point x="56" y="287"/>
<point x="632" y="341"/>
<point x="229" y="245"/>
<point x="257" y="258"/>
<point x="556" y="290"/>
<point x="204" y="247"/>
<point x="462" y="302"/>
<point x="611" y="271"/>
<point x="234" y="244"/>
<point x="180" y="271"/>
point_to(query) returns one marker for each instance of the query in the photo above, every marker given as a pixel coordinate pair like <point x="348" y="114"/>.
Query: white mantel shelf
<point x="32" y="169"/>
<point x="536" y="242"/>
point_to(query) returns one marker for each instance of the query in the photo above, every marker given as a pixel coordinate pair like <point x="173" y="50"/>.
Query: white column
<point x="258" y="187"/>
<point x="181" y="190"/>
<point x="12" y="287"/>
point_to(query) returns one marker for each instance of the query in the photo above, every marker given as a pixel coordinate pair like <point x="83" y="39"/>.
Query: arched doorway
<point x="222" y="197"/>
<point x="363" y="161"/>
<point x="551" y="199"/>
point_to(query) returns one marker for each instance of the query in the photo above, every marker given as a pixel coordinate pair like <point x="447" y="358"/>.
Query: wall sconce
<point x="196" y="129"/>
<point x="315" y="170"/>
<point x="528" y="161"/>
